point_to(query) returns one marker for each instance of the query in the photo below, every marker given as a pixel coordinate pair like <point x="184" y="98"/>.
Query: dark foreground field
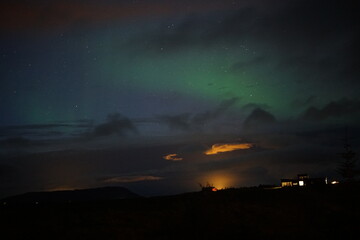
<point x="327" y="213"/>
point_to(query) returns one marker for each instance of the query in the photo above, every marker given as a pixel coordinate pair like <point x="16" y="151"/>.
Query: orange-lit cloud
<point x="130" y="179"/>
<point x="173" y="157"/>
<point x="227" y="147"/>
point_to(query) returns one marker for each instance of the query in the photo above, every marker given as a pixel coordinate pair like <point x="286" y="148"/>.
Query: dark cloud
<point x="203" y="118"/>
<point x="15" y="142"/>
<point x="186" y="122"/>
<point x="199" y="31"/>
<point x="267" y="166"/>
<point x="20" y="130"/>
<point x="317" y="39"/>
<point x="304" y="102"/>
<point x="351" y="59"/>
<point x="25" y="135"/>
<point x="39" y="126"/>
<point x="303" y="62"/>
<point x="313" y="21"/>
<point x="26" y="139"/>
<point x="293" y="21"/>
<point x="259" y="119"/>
<point x="253" y="106"/>
<point x="177" y="122"/>
<point x="116" y="124"/>
<point x="49" y="134"/>
<point x="334" y="109"/>
<point x="275" y="156"/>
<point x="44" y="130"/>
<point x="85" y="167"/>
<point x="313" y="39"/>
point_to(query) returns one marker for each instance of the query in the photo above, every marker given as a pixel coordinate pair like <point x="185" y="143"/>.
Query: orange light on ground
<point x="219" y="180"/>
<point x="173" y="157"/>
<point x="227" y="147"/>
<point x="214" y="189"/>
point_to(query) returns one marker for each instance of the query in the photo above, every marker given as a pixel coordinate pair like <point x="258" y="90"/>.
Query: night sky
<point x="142" y="94"/>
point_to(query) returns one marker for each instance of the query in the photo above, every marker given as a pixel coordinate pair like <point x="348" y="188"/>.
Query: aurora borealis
<point x="99" y="90"/>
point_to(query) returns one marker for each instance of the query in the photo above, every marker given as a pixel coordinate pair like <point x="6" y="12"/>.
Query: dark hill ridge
<point x="91" y="194"/>
<point x="331" y="212"/>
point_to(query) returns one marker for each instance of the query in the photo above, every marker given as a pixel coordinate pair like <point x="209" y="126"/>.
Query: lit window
<point x="301" y="183"/>
<point x="286" y="184"/>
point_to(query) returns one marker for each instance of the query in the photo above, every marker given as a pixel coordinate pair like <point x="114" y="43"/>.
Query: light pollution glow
<point x="220" y="180"/>
<point x="227" y="147"/>
<point x="173" y="157"/>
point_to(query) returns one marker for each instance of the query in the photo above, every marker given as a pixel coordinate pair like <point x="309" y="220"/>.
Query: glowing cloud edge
<point x="227" y="147"/>
<point x="173" y="157"/>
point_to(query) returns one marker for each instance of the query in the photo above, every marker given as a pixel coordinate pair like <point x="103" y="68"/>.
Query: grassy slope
<point x="232" y="214"/>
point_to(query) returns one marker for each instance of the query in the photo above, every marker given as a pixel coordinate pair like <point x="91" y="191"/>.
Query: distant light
<point x="326" y="181"/>
<point x="334" y="182"/>
<point x="214" y="189"/>
<point x="36" y="202"/>
<point x="4" y="203"/>
<point x="301" y="183"/>
<point x="286" y="184"/>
